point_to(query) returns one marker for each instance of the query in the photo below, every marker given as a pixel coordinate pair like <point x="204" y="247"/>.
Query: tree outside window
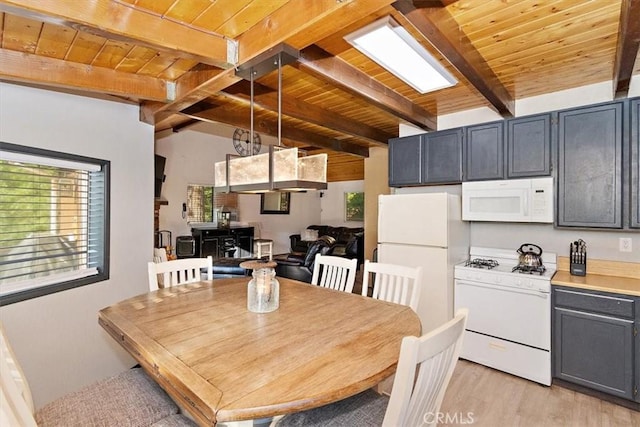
<point x="354" y="206"/>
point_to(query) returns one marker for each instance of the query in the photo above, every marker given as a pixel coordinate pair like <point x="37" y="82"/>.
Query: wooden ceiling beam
<point x="267" y="98"/>
<point x="432" y="3"/>
<point x="627" y="47"/>
<point x="217" y="114"/>
<point x="125" y="22"/>
<point x="191" y="88"/>
<point x="35" y="69"/>
<point x="443" y="32"/>
<point x="325" y="66"/>
<point x="292" y="18"/>
<point x="296" y="17"/>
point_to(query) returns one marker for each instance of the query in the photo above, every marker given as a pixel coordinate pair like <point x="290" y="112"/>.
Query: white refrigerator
<point x="425" y="230"/>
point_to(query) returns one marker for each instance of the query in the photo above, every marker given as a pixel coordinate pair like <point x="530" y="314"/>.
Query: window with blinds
<point x="53" y="222"/>
<point x="203" y="203"/>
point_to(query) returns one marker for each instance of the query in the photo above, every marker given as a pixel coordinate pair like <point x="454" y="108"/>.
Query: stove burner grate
<point x="487" y="264"/>
<point x="527" y="269"/>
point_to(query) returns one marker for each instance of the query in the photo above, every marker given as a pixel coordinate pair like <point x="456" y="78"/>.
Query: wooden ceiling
<point x="178" y="59"/>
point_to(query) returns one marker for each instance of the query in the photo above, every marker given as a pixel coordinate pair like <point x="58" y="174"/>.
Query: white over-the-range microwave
<point x="515" y="200"/>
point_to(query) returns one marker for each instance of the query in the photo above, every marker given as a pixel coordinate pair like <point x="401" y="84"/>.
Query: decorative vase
<point x="263" y="290"/>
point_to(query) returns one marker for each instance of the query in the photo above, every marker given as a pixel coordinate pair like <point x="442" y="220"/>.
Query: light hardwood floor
<point x="479" y="396"/>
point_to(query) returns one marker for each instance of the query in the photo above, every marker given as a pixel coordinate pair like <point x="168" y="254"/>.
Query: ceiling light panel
<point x="392" y="47"/>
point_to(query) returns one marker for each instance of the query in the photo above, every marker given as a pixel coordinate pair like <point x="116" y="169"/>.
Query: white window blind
<point x="53" y="222"/>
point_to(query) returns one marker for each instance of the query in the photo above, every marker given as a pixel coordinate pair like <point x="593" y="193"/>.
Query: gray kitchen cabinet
<point x="529" y="146"/>
<point x="405" y="161"/>
<point x="590" y="142"/>
<point x="594" y="343"/>
<point x="634" y="200"/>
<point x="484" y="152"/>
<point x="442" y="161"/>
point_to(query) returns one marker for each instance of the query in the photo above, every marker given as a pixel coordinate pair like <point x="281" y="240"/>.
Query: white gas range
<point x="509" y="324"/>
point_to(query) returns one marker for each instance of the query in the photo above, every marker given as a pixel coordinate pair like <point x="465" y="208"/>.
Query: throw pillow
<point x="309" y="235"/>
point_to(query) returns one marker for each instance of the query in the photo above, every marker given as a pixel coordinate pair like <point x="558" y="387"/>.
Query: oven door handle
<point x="540" y="294"/>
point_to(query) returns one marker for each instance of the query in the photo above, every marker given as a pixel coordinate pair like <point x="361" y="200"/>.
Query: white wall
<point x="333" y="203"/>
<point x="601" y="244"/>
<point x="191" y="154"/>
<point x="56" y="337"/>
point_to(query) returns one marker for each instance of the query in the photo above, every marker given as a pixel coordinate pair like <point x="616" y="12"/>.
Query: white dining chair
<point x="334" y="272"/>
<point x="129" y="398"/>
<point x="424" y="370"/>
<point x="393" y="283"/>
<point x="178" y="272"/>
<point x="160" y="255"/>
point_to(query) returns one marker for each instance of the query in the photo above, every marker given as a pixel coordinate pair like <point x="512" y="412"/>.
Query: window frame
<point x="103" y="272"/>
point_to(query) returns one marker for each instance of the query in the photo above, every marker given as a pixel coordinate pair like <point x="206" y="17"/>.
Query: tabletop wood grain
<point x="224" y="363"/>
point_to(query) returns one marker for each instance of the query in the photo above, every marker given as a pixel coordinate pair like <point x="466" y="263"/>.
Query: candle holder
<point x="263" y="290"/>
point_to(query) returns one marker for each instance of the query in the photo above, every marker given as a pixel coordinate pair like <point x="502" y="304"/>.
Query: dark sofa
<point x="299" y="266"/>
<point x="349" y="241"/>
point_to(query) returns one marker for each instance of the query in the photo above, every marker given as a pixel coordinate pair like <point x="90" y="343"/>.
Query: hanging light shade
<point x="282" y="168"/>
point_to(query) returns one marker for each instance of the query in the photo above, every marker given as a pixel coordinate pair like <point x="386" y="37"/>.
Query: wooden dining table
<point x="222" y="363"/>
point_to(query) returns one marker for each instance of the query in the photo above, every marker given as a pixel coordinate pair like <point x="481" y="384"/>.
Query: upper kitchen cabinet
<point x="484" y="152"/>
<point x="590" y="143"/>
<point x="428" y="158"/>
<point x="529" y="146"/>
<point x="635" y="164"/>
<point x="442" y="162"/>
<point x="405" y="161"/>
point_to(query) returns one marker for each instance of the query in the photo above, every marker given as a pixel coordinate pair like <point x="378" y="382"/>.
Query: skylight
<point x="393" y="48"/>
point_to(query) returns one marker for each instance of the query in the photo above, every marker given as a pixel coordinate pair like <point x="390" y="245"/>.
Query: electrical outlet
<point x="625" y="244"/>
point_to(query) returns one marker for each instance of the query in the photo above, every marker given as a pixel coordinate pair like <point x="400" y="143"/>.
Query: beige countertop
<point x="602" y="275"/>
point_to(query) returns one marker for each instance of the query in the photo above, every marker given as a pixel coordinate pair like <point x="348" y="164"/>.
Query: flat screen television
<point x="159" y="174"/>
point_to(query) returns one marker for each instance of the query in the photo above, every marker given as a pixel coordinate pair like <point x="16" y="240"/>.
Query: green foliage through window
<point x="354" y="206"/>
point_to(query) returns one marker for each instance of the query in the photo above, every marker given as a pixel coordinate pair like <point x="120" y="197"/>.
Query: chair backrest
<point x="334" y="272"/>
<point x="179" y="271"/>
<point x="416" y="400"/>
<point x="16" y="404"/>
<point x="160" y="255"/>
<point x="393" y="283"/>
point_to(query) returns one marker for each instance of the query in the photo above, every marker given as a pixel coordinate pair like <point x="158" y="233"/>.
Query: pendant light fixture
<point x="282" y="168"/>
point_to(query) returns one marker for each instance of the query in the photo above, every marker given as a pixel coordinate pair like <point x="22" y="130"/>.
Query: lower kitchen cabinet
<point x="595" y="342"/>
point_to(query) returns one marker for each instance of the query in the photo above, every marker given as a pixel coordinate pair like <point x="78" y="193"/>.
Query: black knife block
<point x="578" y="268"/>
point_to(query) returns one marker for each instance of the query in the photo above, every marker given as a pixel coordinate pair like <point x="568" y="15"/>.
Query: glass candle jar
<point x="263" y="290"/>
